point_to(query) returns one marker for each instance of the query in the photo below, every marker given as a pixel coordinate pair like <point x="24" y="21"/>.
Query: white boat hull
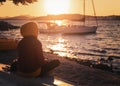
<point x="71" y="30"/>
<point x="80" y="30"/>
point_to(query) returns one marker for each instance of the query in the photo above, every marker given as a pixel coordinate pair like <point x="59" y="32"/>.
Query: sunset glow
<point x="56" y="6"/>
<point x="46" y="7"/>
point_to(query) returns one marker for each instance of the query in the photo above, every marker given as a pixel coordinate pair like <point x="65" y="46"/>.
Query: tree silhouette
<point x="16" y="2"/>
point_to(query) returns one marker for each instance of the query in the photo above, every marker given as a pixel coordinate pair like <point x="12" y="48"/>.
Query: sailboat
<point x="73" y="29"/>
<point x="83" y="29"/>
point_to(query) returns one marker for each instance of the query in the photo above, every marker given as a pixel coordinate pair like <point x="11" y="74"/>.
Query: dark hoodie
<point x="30" y="54"/>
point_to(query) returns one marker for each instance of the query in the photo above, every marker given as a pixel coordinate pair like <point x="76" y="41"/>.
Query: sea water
<point x="102" y="44"/>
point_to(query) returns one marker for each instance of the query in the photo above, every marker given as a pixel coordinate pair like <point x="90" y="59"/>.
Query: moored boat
<point x="8" y="44"/>
<point x="70" y="30"/>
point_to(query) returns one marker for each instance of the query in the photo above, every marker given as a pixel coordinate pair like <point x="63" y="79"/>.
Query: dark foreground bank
<point x="72" y="71"/>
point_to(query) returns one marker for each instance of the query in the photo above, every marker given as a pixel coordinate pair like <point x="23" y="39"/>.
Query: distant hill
<point x="61" y="17"/>
<point x="111" y="17"/>
<point x="21" y="17"/>
<point x="77" y="17"/>
<point x="48" y="17"/>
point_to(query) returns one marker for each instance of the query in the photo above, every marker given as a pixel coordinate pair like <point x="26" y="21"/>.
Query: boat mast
<point x="94" y="12"/>
<point x="84" y="10"/>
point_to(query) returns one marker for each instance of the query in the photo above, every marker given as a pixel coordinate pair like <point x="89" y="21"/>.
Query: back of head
<point x="29" y="29"/>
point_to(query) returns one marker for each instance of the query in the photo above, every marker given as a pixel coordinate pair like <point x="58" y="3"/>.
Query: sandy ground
<point x="73" y="72"/>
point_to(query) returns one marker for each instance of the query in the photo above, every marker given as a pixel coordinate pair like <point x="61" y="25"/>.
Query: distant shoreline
<point x="74" y="17"/>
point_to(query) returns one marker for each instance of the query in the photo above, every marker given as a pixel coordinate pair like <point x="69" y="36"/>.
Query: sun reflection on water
<point x="59" y="47"/>
<point x="58" y="22"/>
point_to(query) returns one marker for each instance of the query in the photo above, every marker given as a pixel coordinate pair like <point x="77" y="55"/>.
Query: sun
<point x="56" y="6"/>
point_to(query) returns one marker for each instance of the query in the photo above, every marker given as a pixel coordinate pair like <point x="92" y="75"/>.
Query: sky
<point x="45" y="7"/>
